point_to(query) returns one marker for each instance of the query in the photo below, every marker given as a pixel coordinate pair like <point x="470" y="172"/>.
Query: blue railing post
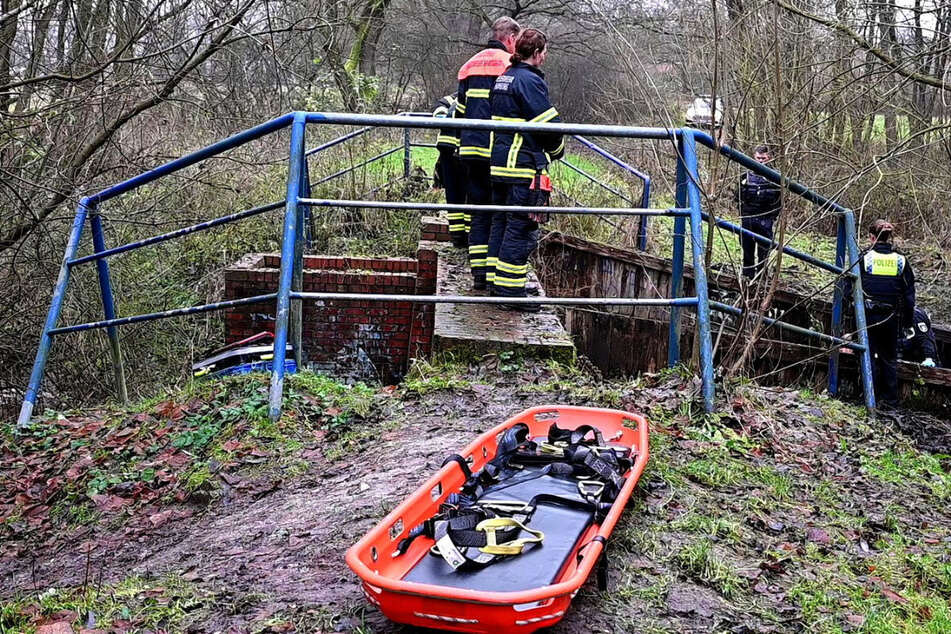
<point x="699" y="269"/>
<point x="297" y="285"/>
<point x="108" y="303"/>
<point x="677" y="265"/>
<point x="407" y="153"/>
<point x="858" y="299"/>
<point x="838" y="294"/>
<point x="288" y="252"/>
<point x="56" y="306"/>
<point x="642" y="226"/>
<point x="308" y="210"/>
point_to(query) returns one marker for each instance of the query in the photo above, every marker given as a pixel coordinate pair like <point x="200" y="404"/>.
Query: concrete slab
<point x="483" y="329"/>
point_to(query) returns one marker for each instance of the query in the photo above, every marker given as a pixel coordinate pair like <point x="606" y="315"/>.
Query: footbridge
<point x="288" y="297"/>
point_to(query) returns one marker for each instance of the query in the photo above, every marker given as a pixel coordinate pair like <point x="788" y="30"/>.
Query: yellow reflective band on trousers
<point x="471" y="150"/>
<point x="511" y="268"/>
<point x="447" y="140"/>
<point x="491" y="264"/>
<point x="509" y="282"/>
<point x="476" y="250"/>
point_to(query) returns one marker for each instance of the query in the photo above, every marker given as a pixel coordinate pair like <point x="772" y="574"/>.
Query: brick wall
<point x="434" y="229"/>
<point x="348" y="339"/>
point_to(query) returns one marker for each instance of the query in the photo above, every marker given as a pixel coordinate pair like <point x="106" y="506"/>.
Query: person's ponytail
<point x="529" y="42"/>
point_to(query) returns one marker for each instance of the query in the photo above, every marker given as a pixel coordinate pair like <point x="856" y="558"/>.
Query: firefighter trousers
<point x="478" y="192"/>
<point x="452" y="173"/>
<point x="518" y="237"/>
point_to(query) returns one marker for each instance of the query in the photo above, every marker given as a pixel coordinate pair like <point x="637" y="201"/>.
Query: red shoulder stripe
<point x="490" y="62"/>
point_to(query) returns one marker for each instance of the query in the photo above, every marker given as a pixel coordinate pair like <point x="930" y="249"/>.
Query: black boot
<point x="523" y="308"/>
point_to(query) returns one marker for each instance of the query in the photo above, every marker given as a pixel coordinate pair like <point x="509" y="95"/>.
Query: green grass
<point x="167" y="603"/>
<point x="434" y="375"/>
<point x="715" y="472"/>
<point x="700" y="561"/>
<point x="704" y="524"/>
<point x="910" y="468"/>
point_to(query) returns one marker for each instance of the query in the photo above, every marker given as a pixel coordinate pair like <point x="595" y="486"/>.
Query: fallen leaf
<point x="170" y="410"/>
<point x="109" y="503"/>
<point x="891" y="595"/>
<point x="153" y="592"/>
<point x="232" y="445"/>
<point x="78" y="468"/>
<point x="818" y="536"/>
<point x="158" y="519"/>
<point x="60" y="627"/>
<point x="855" y="619"/>
<point x="63" y="615"/>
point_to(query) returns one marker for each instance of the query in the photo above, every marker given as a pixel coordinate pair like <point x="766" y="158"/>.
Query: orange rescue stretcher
<point x="501" y="538"/>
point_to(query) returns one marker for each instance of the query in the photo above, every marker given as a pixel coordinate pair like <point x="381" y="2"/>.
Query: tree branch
<point x="194" y="60"/>
<point x="863" y="43"/>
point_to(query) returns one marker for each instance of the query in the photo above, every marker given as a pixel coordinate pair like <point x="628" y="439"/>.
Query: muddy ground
<point x="786" y="513"/>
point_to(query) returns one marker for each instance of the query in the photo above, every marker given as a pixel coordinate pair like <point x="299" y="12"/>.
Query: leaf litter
<point x="786" y="512"/>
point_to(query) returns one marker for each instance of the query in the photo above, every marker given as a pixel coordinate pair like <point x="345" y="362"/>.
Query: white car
<point x="701" y="114"/>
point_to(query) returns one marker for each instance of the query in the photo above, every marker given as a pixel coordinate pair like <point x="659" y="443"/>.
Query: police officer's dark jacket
<point x="888" y="281"/>
<point x="758" y="197"/>
<point x="475" y="81"/>
<point x="446" y="107"/>
<point x="521" y="94"/>
<point x="922" y="345"/>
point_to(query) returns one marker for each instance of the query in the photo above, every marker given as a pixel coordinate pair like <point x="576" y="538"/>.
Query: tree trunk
<point x="8" y="32"/>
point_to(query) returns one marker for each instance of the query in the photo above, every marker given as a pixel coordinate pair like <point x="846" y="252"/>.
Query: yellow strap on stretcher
<point x="513" y="547"/>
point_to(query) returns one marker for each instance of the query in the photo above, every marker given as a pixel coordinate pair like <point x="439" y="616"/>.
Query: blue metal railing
<point x="644" y="178"/>
<point x="289" y="294"/>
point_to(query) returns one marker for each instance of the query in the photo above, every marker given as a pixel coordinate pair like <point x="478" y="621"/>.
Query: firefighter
<point x="449" y="173"/>
<point x="475" y="81"/>
<point x="889" y="287"/>
<point x="918" y="343"/>
<point x="519" y="163"/>
<point x="759" y="201"/>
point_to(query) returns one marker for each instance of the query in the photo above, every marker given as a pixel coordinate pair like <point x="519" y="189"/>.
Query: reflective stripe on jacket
<point x="446" y="107"/>
<point x="521" y="94"/>
<point x="475" y="81"/>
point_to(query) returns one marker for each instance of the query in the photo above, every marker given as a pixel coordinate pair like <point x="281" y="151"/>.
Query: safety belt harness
<point x="472" y="533"/>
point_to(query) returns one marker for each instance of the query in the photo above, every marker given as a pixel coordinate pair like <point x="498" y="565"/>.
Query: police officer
<point x="475" y="81"/>
<point x="759" y="202"/>
<point x="918" y="343"/>
<point x="889" y="287"/>
<point x="519" y="163"/>
<point x="450" y="173"/>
